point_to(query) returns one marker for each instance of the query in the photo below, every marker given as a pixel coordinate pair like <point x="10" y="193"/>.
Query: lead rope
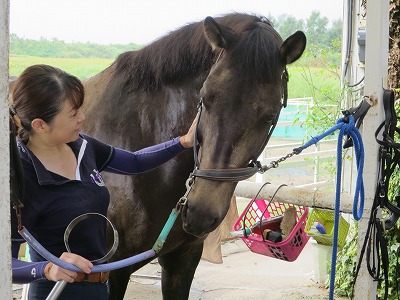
<point x="346" y="126"/>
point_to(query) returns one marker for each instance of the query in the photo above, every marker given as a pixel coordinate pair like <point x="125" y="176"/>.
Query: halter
<point x="375" y="246"/>
<point x="236" y="174"/>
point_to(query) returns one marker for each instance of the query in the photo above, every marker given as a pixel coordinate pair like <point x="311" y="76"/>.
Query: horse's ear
<point x="293" y="47"/>
<point x="217" y="35"/>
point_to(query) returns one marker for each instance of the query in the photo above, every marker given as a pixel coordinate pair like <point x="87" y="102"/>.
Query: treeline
<point x="320" y="35"/>
<point x="319" y="32"/>
<point x="58" y="48"/>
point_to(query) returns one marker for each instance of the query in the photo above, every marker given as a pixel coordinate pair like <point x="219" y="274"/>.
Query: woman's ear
<point x="39" y="126"/>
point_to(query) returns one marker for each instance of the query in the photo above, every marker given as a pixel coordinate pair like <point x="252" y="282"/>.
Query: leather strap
<point x="375" y="246"/>
<point x="96" y="277"/>
<point x="227" y="174"/>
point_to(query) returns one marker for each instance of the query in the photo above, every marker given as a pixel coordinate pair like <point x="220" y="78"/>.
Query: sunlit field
<point x="80" y="67"/>
<point x="302" y="82"/>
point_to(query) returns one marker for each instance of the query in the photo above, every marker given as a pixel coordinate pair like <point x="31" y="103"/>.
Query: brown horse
<point x="235" y="64"/>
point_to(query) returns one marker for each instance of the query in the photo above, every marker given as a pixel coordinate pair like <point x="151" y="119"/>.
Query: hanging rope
<point x="346" y="126"/>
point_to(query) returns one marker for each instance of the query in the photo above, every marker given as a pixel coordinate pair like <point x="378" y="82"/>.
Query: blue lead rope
<point x="346" y="128"/>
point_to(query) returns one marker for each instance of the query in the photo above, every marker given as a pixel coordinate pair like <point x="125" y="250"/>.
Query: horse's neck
<point x="95" y="87"/>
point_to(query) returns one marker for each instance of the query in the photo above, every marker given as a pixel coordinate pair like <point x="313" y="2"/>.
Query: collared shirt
<point x="52" y="201"/>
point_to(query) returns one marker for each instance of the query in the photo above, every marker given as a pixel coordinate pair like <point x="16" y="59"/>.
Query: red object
<point x="288" y="249"/>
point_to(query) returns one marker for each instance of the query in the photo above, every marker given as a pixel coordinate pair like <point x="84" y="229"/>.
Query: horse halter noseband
<point x="236" y="174"/>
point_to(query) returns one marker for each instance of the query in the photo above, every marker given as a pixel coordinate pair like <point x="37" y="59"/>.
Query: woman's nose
<point x="81" y="116"/>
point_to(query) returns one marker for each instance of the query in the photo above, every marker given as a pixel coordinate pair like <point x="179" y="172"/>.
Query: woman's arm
<point x="25" y="272"/>
<point x="126" y="162"/>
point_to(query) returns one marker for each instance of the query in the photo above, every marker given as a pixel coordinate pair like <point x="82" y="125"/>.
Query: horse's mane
<point x="185" y="52"/>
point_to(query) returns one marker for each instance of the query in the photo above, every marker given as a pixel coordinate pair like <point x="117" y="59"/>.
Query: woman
<point x="62" y="170"/>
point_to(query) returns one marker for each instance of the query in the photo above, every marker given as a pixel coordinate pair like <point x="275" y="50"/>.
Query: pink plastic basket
<point x="288" y="249"/>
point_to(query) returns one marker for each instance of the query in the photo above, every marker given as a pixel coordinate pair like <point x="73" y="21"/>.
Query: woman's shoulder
<point x="94" y="142"/>
<point x="102" y="152"/>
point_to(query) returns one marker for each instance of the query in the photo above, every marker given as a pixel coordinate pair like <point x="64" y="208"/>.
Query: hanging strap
<point x="375" y="245"/>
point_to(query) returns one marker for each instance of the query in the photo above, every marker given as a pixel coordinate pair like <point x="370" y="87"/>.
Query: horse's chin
<point x="196" y="229"/>
<point x="195" y="233"/>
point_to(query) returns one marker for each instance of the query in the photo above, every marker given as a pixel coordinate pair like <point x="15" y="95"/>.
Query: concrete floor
<point x="244" y="276"/>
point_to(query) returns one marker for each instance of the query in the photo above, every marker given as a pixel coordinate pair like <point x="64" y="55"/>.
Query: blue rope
<point x="358" y="205"/>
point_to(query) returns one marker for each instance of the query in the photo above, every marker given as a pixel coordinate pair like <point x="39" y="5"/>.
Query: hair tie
<point x="13" y="112"/>
<point x="15" y="118"/>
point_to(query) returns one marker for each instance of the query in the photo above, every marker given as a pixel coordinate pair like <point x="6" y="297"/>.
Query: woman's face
<point x="67" y="124"/>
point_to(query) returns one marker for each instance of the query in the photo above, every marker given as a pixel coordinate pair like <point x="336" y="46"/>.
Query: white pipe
<point x="5" y="244"/>
<point x="298" y="195"/>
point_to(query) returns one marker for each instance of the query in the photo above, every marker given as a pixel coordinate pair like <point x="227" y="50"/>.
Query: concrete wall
<point x="5" y="251"/>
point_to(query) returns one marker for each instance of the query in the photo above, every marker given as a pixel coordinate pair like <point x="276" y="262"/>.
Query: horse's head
<point x="242" y="97"/>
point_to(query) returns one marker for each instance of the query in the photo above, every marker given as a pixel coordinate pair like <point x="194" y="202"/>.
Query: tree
<point x="289" y="25"/>
<point x="316" y="28"/>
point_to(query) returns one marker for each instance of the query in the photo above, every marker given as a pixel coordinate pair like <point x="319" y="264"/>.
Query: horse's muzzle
<point x="197" y="223"/>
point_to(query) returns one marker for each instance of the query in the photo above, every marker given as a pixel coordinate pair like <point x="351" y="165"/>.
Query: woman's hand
<point x="188" y="139"/>
<point x="56" y="273"/>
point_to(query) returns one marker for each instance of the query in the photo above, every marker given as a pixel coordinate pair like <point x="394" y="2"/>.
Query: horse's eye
<point x="208" y="99"/>
<point x="269" y="120"/>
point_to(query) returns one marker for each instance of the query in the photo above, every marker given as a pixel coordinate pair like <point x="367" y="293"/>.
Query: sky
<point x="140" y="22"/>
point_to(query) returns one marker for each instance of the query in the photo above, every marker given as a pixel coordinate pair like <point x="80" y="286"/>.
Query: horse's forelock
<point x="255" y="53"/>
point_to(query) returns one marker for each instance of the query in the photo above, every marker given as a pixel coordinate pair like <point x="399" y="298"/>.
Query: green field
<point x="303" y="81"/>
<point x="80" y="67"/>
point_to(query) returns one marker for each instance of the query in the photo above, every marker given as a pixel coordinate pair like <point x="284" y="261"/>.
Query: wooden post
<point x="5" y="248"/>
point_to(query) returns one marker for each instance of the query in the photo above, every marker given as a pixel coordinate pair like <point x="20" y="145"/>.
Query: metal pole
<point x="5" y="244"/>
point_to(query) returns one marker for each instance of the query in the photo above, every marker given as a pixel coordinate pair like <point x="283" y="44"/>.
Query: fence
<point x="303" y="169"/>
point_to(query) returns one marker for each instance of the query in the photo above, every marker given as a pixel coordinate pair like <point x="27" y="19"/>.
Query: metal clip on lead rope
<point x="182" y="201"/>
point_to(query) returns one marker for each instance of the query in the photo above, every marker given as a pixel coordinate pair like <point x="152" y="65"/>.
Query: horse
<point x="232" y="69"/>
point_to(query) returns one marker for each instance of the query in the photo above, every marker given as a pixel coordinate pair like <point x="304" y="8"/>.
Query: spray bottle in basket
<point x="270" y="224"/>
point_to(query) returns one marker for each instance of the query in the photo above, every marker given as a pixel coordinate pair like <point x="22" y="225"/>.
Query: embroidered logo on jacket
<point x="97" y="178"/>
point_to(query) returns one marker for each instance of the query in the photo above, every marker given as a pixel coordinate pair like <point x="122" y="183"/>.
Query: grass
<point x="80" y="67"/>
<point x="312" y="82"/>
<point x="302" y="80"/>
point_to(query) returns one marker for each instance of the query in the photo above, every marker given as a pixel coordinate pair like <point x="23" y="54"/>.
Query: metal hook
<point x="182" y="201"/>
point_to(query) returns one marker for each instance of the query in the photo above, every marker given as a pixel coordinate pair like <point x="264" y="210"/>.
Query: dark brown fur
<point x="149" y="96"/>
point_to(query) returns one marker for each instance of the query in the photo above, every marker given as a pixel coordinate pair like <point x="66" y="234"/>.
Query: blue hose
<point x="32" y="242"/>
<point x="359" y="195"/>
